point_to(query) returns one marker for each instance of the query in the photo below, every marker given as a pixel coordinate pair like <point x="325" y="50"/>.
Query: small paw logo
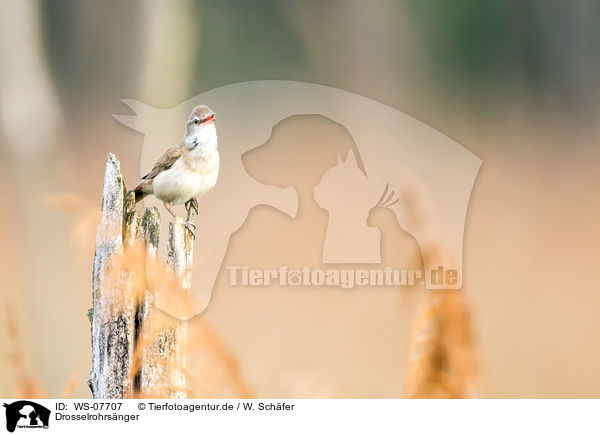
<point x="26" y="414"/>
<point x="294" y="277"/>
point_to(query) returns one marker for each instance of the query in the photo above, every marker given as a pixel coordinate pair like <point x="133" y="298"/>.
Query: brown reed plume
<point x="211" y="370"/>
<point x="441" y="357"/>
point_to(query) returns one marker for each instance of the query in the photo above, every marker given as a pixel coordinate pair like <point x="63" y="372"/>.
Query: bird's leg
<point x="169" y="209"/>
<point x="188" y="225"/>
<point x="192" y="204"/>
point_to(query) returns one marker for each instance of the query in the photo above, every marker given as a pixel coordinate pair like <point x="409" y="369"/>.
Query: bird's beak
<point x="209" y="119"/>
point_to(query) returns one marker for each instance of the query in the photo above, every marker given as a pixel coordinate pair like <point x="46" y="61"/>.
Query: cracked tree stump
<point x="110" y="328"/>
<point x="136" y="348"/>
<point x="163" y="357"/>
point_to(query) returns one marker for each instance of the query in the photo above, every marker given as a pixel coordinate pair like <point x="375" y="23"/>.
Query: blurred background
<point x="515" y="82"/>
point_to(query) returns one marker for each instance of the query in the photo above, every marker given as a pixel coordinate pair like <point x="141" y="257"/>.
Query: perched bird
<point x="187" y="170"/>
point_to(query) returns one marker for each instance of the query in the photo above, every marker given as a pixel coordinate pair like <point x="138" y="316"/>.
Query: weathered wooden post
<point x="180" y="256"/>
<point x="163" y="355"/>
<point x="136" y="348"/>
<point x="150" y="373"/>
<point x="112" y="325"/>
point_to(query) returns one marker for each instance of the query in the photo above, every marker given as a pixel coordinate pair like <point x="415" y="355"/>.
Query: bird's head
<point x="200" y="128"/>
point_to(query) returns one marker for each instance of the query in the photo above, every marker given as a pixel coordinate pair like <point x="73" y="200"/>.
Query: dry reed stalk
<point x="85" y="213"/>
<point x="441" y="358"/>
<point x="221" y="370"/>
<point x="200" y="389"/>
<point x="70" y="386"/>
<point x="153" y="360"/>
<point x="27" y="385"/>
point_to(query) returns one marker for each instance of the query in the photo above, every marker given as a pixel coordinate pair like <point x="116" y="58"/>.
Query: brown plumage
<point x="165" y="162"/>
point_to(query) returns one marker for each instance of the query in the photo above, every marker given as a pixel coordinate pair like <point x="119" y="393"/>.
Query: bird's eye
<point x="196" y="121"/>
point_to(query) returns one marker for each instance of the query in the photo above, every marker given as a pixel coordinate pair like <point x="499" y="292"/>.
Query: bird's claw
<point x="191" y="228"/>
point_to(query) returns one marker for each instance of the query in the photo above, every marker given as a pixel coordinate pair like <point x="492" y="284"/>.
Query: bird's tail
<point x="139" y="194"/>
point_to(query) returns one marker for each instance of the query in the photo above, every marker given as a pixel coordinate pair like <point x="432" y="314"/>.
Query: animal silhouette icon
<point x="26" y="413"/>
<point x="347" y="194"/>
<point x="393" y="147"/>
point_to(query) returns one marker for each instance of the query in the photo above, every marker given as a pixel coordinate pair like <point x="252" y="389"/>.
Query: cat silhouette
<point x="348" y="196"/>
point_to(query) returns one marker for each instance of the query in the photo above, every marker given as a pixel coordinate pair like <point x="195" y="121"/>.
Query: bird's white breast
<point x="187" y="178"/>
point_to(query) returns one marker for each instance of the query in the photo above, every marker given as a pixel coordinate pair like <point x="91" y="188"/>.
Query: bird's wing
<point x="165" y="162"/>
